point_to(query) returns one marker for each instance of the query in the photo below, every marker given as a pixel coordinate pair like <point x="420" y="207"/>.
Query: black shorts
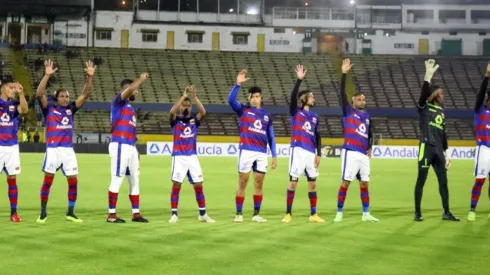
<point x="430" y="155"/>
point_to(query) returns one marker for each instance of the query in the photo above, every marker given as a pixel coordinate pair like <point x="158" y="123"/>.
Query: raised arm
<point x="41" y="89"/>
<point x="346" y="66"/>
<point x="232" y="97"/>
<point x="23" y="107"/>
<point x="87" y="89"/>
<point x="293" y="103"/>
<point x="430" y="69"/>
<point x="200" y="107"/>
<point x="133" y="88"/>
<point x="480" y="97"/>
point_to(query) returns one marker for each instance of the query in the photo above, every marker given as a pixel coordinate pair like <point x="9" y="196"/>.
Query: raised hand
<point x="242" y="77"/>
<point x="346" y="66"/>
<point x="90" y="68"/>
<point x="18" y="88"/>
<point x="300" y="72"/>
<point x="430" y="68"/>
<point x="144" y="76"/>
<point x="192" y="91"/>
<point x="48" y="67"/>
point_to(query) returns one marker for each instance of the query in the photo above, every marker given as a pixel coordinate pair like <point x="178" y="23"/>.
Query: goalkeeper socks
<point x="72" y="194"/>
<point x="419" y="189"/>
<point x="135" y="203"/>
<point x="257" y="204"/>
<point x="475" y="193"/>
<point x="201" y="200"/>
<point x="112" y="202"/>
<point x="312" y="197"/>
<point x="341" y="198"/>
<point x="289" y="201"/>
<point x="239" y="204"/>
<point x="174" y="199"/>
<point x="45" y="188"/>
<point x="365" y="199"/>
<point x="13" y="193"/>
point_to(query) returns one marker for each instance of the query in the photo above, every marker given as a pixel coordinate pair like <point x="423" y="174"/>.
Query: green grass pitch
<point x="395" y="245"/>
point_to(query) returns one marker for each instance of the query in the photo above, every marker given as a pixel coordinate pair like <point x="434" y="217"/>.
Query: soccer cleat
<point x="369" y="218"/>
<point x="238" y="218"/>
<point x="339" y="217"/>
<point x="205" y="218"/>
<point x="449" y="217"/>
<point x="137" y="217"/>
<point x="418" y="217"/>
<point x="41" y="219"/>
<point x="287" y="218"/>
<point x="471" y="216"/>
<point x="258" y="218"/>
<point x="15" y="218"/>
<point x="173" y="219"/>
<point x="73" y="218"/>
<point x="112" y="218"/>
<point x="316" y="218"/>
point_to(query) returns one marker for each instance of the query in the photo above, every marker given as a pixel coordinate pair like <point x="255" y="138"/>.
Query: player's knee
<point x="292" y="185"/>
<point x="197" y="184"/>
<point x="310" y="179"/>
<point x="11" y="177"/>
<point x="346" y="183"/>
<point x="176" y="184"/>
<point x="312" y="185"/>
<point x="71" y="177"/>
<point x="363" y="184"/>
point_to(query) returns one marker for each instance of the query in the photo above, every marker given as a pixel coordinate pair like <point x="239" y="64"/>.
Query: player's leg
<point x="439" y="165"/>
<point x="51" y="162"/>
<point x="481" y="171"/>
<point x="260" y="169"/>
<point x="11" y="166"/>
<point x="297" y="165"/>
<point x="119" y="164"/>
<point x="179" y="170"/>
<point x="133" y="176"/>
<point x="424" y="162"/>
<point x="348" y="171"/>
<point x="363" y="176"/>
<point x="245" y="162"/>
<point x="69" y="167"/>
<point x="311" y="175"/>
<point x="196" y="178"/>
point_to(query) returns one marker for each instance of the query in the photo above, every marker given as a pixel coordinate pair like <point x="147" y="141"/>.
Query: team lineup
<point x="256" y="136"/>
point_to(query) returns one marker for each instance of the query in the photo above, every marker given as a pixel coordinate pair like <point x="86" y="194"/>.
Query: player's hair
<point x="4" y="84"/>
<point x="126" y="81"/>
<point x="357" y="94"/>
<point x="254" y="90"/>
<point x="301" y="94"/>
<point x="186" y="99"/>
<point x="57" y="93"/>
<point x="432" y="90"/>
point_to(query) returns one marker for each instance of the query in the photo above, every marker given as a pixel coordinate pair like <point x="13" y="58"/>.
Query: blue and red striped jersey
<point x="482" y="126"/>
<point x="9" y="124"/>
<point x="123" y="120"/>
<point x="304" y="127"/>
<point x="356" y="130"/>
<point x="184" y="130"/>
<point x="256" y="130"/>
<point x="59" y="124"/>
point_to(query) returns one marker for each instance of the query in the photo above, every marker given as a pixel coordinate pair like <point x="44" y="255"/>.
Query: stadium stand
<point x="213" y="73"/>
<point x="395" y="81"/>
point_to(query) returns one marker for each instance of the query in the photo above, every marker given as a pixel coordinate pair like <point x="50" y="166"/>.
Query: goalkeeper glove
<point x="448" y="158"/>
<point x="430" y="68"/>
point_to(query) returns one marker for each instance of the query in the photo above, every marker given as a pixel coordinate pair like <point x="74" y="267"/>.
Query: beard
<point x="132" y="98"/>
<point x="185" y="112"/>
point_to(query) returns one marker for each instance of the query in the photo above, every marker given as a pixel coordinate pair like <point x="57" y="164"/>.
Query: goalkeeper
<point x="433" y="148"/>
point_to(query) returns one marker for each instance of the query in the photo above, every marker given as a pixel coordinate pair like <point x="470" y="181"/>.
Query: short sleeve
<point x="118" y="101"/>
<point x="73" y="107"/>
<point x="46" y="110"/>
<point x="172" y="121"/>
<point x="198" y="122"/>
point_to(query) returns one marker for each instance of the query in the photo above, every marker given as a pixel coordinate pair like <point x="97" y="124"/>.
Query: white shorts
<point x="355" y="165"/>
<point x="189" y="166"/>
<point x="302" y="161"/>
<point x="63" y="158"/>
<point x="124" y="159"/>
<point x="482" y="162"/>
<point x="10" y="160"/>
<point x="251" y="160"/>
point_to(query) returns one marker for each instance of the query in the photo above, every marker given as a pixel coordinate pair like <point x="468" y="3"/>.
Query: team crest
<point x="68" y="112"/>
<point x="314" y="120"/>
<point x="266" y="118"/>
<point x="192" y="121"/>
<point x="11" y="108"/>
